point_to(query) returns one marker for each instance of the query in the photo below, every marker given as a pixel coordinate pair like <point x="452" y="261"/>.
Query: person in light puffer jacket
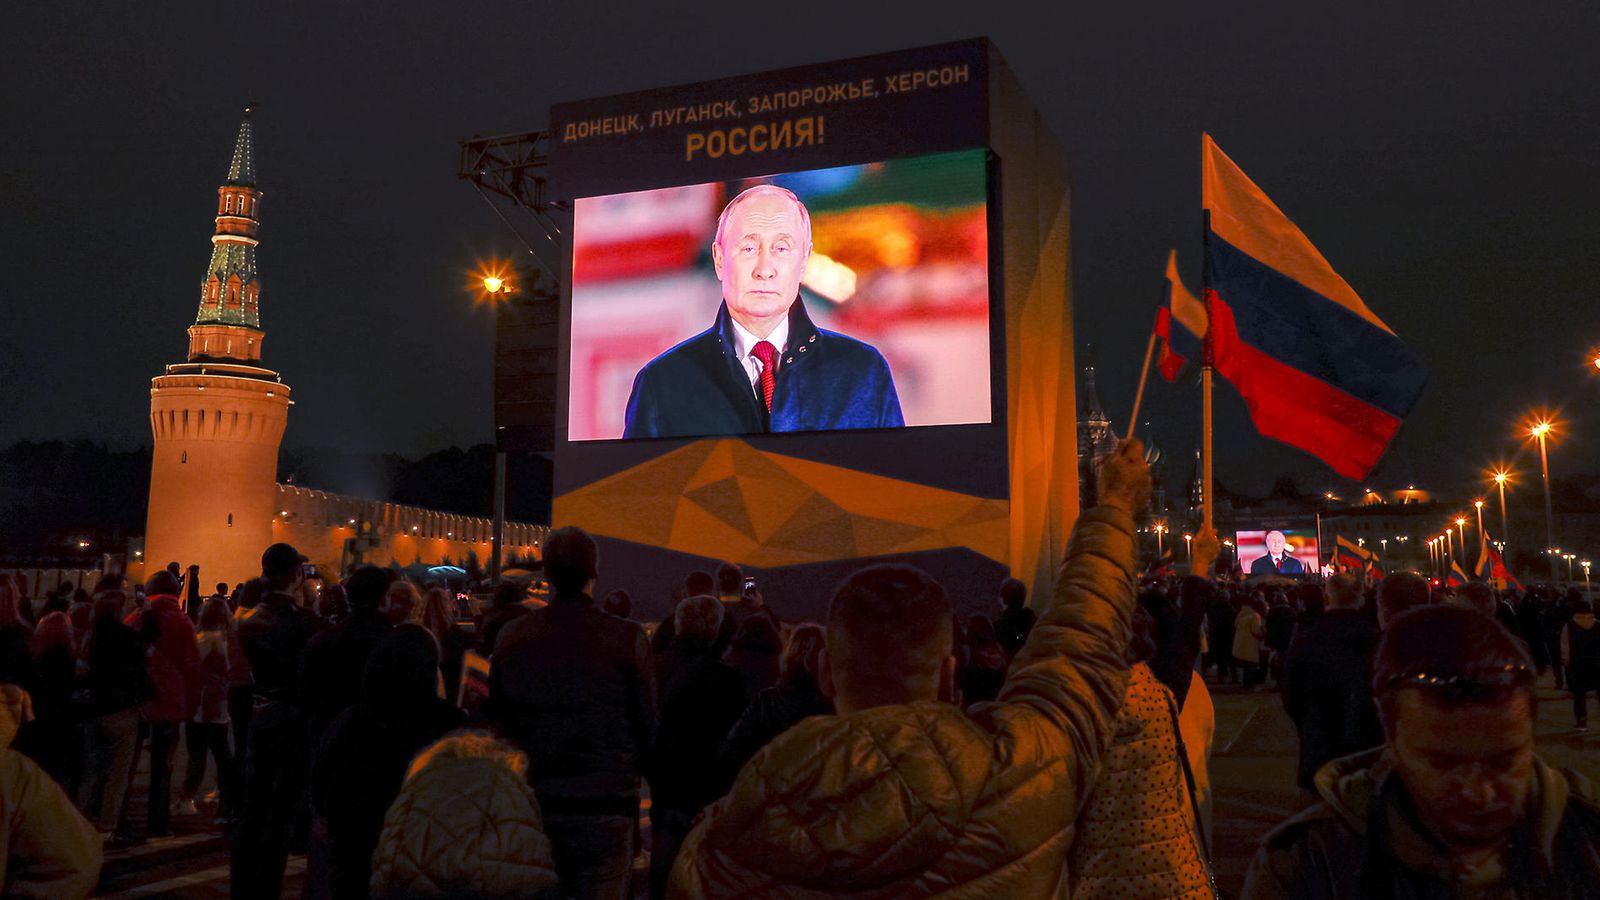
<point x="904" y="795"/>
<point x="466" y="825"/>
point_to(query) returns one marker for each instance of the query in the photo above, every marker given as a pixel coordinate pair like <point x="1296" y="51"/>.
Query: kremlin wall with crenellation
<point x="218" y="420"/>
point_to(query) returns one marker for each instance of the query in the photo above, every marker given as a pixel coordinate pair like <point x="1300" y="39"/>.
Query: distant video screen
<point x="826" y="300"/>
<point x="1278" y="551"/>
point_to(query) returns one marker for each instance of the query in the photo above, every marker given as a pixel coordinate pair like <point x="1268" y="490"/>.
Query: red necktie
<point x="768" y="355"/>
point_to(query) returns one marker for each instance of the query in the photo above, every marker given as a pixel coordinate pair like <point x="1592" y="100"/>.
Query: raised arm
<point x="1071" y="676"/>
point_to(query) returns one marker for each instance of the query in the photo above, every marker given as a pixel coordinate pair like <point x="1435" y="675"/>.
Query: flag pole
<point x="1206" y="492"/>
<point x="1144" y="373"/>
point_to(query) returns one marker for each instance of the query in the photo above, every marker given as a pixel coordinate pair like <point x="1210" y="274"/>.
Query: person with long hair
<point x="796" y="696"/>
<point x="16" y="663"/>
<point x="206" y="732"/>
<point x="985" y="668"/>
<point x="50" y="737"/>
<point x="435" y="613"/>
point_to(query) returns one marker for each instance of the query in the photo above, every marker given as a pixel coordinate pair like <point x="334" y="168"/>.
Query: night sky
<point x="1442" y="156"/>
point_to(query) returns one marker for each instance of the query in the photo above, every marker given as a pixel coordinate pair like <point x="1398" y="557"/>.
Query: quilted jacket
<point x="49" y="848"/>
<point x="1136" y="834"/>
<point x="464" y="828"/>
<point x="923" y="800"/>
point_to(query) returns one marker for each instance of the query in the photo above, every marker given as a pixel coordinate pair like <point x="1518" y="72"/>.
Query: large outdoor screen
<point x="826" y="300"/>
<point x="1288" y="551"/>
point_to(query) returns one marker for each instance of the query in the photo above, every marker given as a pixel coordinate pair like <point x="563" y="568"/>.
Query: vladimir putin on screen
<point x="762" y="365"/>
<point x="1278" y="561"/>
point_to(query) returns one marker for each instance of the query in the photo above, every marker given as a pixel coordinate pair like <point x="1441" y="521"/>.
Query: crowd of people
<point x="1058" y="748"/>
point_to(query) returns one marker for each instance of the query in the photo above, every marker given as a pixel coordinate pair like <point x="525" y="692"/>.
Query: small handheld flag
<point x="1180" y="323"/>
<point x="1492" y="568"/>
<point x="1317" y="368"/>
<point x="1457" y="576"/>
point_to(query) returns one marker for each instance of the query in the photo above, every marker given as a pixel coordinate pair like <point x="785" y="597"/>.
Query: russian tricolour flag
<point x="1317" y="368"/>
<point x="1180" y="323"/>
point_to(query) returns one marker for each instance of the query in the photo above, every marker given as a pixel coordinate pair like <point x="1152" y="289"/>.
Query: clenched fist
<point x="1125" y="478"/>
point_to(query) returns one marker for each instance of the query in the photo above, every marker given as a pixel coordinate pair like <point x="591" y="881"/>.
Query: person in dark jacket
<point x="1530" y="628"/>
<point x="701" y="698"/>
<point x="795" y="697"/>
<point x="1219" y="637"/>
<point x="754" y="654"/>
<point x="1326" y="682"/>
<point x="572" y="687"/>
<point x="762" y="366"/>
<point x="1556" y="616"/>
<point x="1280" y="622"/>
<point x="115" y="683"/>
<point x="1456" y="802"/>
<point x="16" y="664"/>
<point x="983" y="666"/>
<point x="1011" y="627"/>
<point x="334" y="659"/>
<point x="276" y="753"/>
<point x="51" y="738"/>
<point x="359" y="765"/>
<point x="1580" y="652"/>
<point x="507" y="608"/>
<point x="1177" y="631"/>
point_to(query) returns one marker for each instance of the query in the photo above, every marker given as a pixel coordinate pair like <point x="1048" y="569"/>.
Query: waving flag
<point x="1351" y="556"/>
<point x="1317" y="368"/>
<point x="1457" y="576"/>
<point x="1180" y="323"/>
<point x="1492" y="568"/>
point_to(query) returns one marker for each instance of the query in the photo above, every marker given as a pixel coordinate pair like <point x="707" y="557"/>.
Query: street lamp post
<point x="1539" y="431"/>
<point x="1500" y="479"/>
<point x="1482" y="538"/>
<point x="1569" y="557"/>
<point x="1188" y="546"/>
<point x="497" y="288"/>
<point x="1449" y="546"/>
<point x="1585" y="565"/>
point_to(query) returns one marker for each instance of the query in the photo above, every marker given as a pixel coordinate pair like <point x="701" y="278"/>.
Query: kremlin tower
<point x="217" y="419"/>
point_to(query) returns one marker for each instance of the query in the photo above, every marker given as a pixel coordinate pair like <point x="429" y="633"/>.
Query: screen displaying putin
<point x="834" y="299"/>
<point x="1278" y="551"/>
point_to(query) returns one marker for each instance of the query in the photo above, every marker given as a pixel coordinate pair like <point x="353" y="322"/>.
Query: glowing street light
<point x="1540" y="430"/>
<point x="493" y="284"/>
<point x="1585" y="565"/>
<point x="1188" y="546"/>
<point x="1501" y="476"/>
<point x="1478" y="504"/>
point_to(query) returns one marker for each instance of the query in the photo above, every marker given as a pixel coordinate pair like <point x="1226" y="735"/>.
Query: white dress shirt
<point x="744" y="340"/>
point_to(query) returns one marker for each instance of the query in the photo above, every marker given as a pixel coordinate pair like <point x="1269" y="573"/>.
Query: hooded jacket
<point x="923" y="800"/>
<point x="464" y="828"/>
<point x="1360" y="841"/>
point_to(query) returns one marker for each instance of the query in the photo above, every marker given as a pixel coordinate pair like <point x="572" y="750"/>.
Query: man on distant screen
<point x="762" y="365"/>
<point x="1278" y="560"/>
